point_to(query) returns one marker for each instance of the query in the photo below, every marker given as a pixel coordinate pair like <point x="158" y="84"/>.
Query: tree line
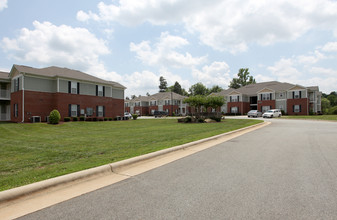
<point x="329" y="103"/>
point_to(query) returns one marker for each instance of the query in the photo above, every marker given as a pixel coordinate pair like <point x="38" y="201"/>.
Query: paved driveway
<point x="287" y="170"/>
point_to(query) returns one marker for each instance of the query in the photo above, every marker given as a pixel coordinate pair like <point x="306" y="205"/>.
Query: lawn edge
<point x="18" y="192"/>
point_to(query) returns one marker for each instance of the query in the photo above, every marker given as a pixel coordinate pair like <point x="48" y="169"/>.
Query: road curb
<point x="15" y="193"/>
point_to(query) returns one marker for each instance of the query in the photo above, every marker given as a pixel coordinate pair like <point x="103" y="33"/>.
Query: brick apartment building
<point x="28" y="92"/>
<point x="292" y="99"/>
<point x="163" y="101"/>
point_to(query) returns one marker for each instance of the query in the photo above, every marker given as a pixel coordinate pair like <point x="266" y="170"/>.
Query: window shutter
<point x="78" y="110"/>
<point x="69" y="110"/>
<point x="103" y="91"/>
<point x="293" y="108"/>
<point x="300" y="94"/>
<point x="300" y="107"/>
<point x="69" y="87"/>
<point x="271" y="96"/>
<point x="78" y="88"/>
<point x="293" y="95"/>
<point x="96" y="90"/>
<point x="18" y="88"/>
<point x="96" y="110"/>
<point x="261" y="97"/>
<point x="238" y="98"/>
<point x="230" y="98"/>
<point x="103" y="110"/>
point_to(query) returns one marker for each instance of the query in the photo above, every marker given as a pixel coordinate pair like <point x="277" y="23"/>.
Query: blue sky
<point x="134" y="42"/>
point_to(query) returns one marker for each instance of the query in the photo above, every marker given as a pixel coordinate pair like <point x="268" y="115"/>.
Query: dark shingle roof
<point x="54" y="71"/>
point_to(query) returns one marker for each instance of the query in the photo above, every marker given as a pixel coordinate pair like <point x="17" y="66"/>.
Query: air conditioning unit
<point x="47" y="119"/>
<point x="36" y="119"/>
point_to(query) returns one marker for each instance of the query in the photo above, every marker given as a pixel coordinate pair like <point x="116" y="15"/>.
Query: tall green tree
<point x="332" y="98"/>
<point x="242" y="80"/>
<point x="325" y="105"/>
<point x="215" y="89"/>
<point x="162" y="84"/>
<point x="198" y="89"/>
<point x="177" y="88"/>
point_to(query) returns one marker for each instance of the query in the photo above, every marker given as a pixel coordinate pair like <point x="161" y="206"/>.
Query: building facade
<point x="292" y="99"/>
<point x="28" y="92"/>
<point x="170" y="102"/>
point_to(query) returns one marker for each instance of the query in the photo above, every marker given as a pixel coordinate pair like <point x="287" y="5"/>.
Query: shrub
<point x="94" y="119"/>
<point x="88" y="119"/>
<point x="215" y="118"/>
<point x="201" y="120"/>
<point x="134" y="116"/>
<point x="54" y="117"/>
<point x="105" y="119"/>
<point x="188" y="119"/>
<point x="82" y="118"/>
<point x="100" y="119"/>
<point x="66" y="119"/>
<point x="110" y="119"/>
<point x="333" y="110"/>
<point x="75" y="118"/>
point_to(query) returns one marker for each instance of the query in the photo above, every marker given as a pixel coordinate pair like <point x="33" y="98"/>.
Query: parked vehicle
<point x="254" y="113"/>
<point x="160" y="113"/>
<point x="127" y="115"/>
<point x="272" y="113"/>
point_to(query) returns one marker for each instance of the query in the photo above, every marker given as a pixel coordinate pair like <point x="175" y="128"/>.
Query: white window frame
<point x="265" y="108"/>
<point x="100" y="111"/>
<point x="297" y="108"/>
<point x="73" y="87"/>
<point x="73" y="110"/>
<point x="266" y="96"/>
<point x="234" y="98"/>
<point x="296" y="94"/>
<point x="234" y="109"/>
<point x="100" y="90"/>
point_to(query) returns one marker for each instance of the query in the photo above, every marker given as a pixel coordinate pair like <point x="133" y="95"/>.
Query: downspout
<point x="23" y="99"/>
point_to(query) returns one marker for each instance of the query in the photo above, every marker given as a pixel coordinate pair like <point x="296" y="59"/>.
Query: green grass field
<point x="312" y="117"/>
<point x="34" y="152"/>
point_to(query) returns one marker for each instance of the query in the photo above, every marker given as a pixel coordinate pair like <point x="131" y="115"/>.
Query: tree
<point x="332" y="98"/>
<point x="133" y="96"/>
<point x="177" y="88"/>
<point x="162" y="84"/>
<point x="198" y="89"/>
<point x="148" y="94"/>
<point x="325" y="105"/>
<point x="242" y="80"/>
<point x="215" y="89"/>
<point x="196" y="101"/>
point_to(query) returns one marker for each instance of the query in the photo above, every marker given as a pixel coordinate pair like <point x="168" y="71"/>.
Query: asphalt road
<point x="287" y="170"/>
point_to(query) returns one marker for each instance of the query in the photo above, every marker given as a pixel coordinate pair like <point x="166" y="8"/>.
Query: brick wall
<point x="42" y="103"/>
<point x="304" y="106"/>
<point x="271" y="103"/>
<point x="242" y="106"/>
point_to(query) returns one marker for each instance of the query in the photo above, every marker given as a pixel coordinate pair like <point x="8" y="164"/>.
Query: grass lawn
<point x="312" y="117"/>
<point x="34" y="152"/>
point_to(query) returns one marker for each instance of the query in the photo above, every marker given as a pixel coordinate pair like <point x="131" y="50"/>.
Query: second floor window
<point x="297" y="94"/>
<point x="235" y="98"/>
<point x="100" y="90"/>
<point x="266" y="96"/>
<point x="73" y="87"/>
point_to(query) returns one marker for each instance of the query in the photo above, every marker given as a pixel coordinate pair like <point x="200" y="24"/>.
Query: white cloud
<point x="3" y="4"/>
<point x="215" y="74"/>
<point x="225" y="25"/>
<point x="63" y="45"/>
<point x="164" y="52"/>
<point x="330" y="47"/>
<point x="285" y="71"/>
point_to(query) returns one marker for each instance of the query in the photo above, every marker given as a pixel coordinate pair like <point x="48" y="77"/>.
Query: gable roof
<point x="54" y="71"/>
<point x="166" y="95"/>
<point x="252" y="89"/>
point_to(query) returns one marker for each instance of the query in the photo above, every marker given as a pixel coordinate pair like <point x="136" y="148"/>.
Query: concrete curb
<point x="18" y="192"/>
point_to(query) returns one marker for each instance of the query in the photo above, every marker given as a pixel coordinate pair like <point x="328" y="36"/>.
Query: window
<point x="234" y="109"/>
<point x="73" y="87"/>
<point x="100" y="90"/>
<point x="297" y="108"/>
<point x="99" y="111"/>
<point x="153" y="103"/>
<point x="73" y="111"/>
<point x="16" y="110"/>
<point x="265" y="108"/>
<point x="89" y="111"/>
<point x="266" y="96"/>
<point x="167" y="102"/>
<point x="234" y="98"/>
<point x="16" y="84"/>
<point x="297" y="94"/>
<point x="126" y="104"/>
